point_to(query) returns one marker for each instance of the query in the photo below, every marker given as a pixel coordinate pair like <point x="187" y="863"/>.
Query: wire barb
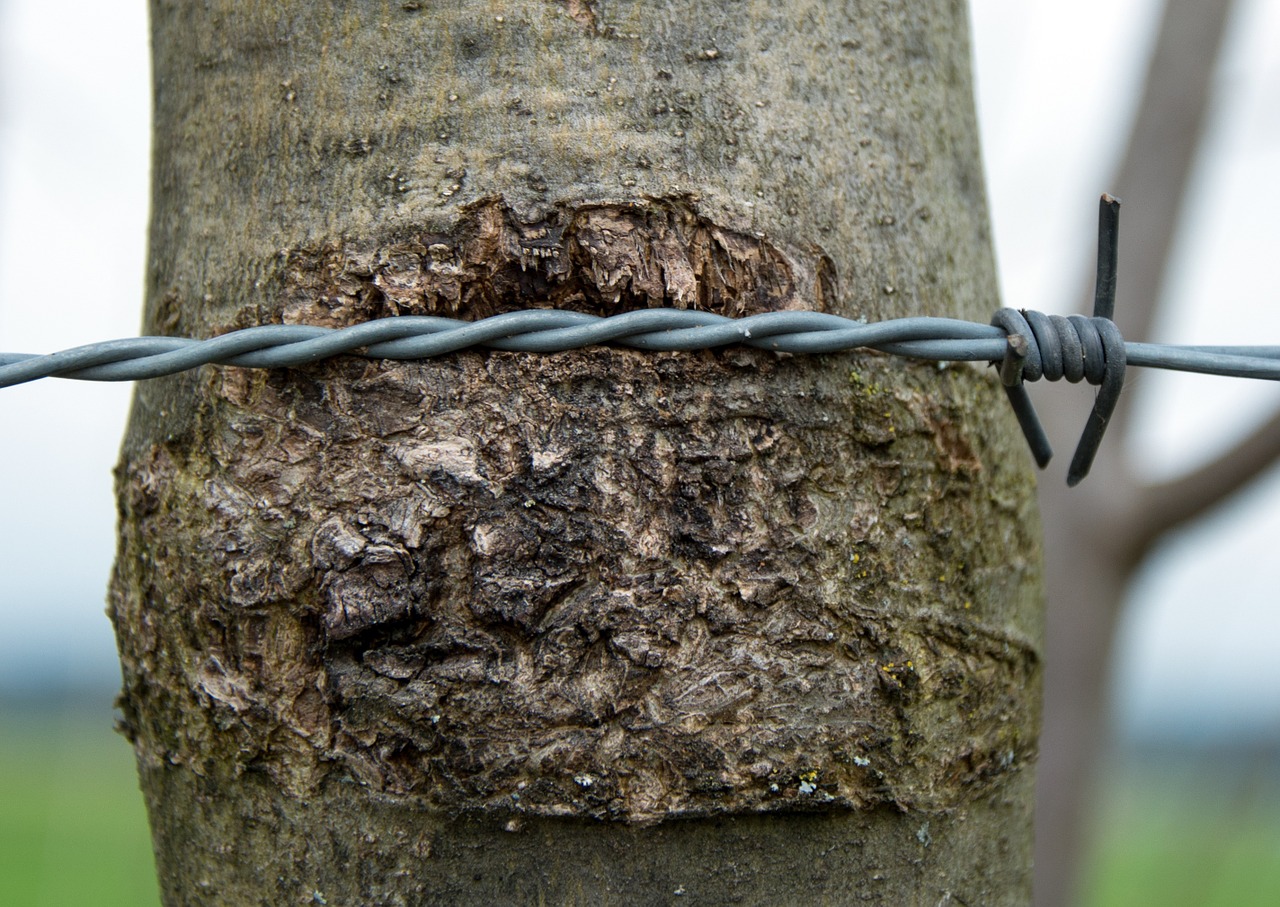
<point x="1053" y="348"/>
<point x="1104" y="294"/>
<point x="1075" y="347"/>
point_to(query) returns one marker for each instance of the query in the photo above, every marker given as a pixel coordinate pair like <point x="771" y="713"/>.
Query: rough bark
<point x="592" y="627"/>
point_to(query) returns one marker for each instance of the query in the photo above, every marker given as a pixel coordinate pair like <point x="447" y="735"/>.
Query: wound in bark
<point x="601" y="259"/>
<point x="597" y="583"/>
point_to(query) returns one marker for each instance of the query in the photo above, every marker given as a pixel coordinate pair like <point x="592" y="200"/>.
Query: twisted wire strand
<point x="1057" y="347"/>
<point x="1027" y="345"/>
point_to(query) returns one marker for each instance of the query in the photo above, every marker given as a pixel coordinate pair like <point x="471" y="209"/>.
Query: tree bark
<point x="601" y="626"/>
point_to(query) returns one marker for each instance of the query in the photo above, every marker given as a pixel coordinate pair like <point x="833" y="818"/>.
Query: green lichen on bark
<point x="635" y="594"/>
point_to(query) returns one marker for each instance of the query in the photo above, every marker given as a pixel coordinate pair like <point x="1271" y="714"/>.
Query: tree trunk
<point x="601" y="626"/>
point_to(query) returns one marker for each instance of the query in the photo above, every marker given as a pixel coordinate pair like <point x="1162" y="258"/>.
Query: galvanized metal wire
<point x="551" y="330"/>
<point x="1027" y="345"/>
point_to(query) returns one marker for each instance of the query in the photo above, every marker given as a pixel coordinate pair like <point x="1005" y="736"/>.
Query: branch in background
<point x="1153" y="176"/>
<point x="1157" y="163"/>
<point x="1162" y="149"/>
<point x="1155" y="172"/>
<point x="1167" y="505"/>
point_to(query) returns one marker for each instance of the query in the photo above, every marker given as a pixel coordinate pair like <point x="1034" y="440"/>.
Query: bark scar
<point x="596" y="258"/>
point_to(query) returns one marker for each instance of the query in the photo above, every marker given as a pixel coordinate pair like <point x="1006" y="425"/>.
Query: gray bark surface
<point x="600" y="626"/>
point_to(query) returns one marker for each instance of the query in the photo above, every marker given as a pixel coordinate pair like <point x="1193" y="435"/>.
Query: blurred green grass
<point x="1190" y="828"/>
<point x="1198" y="831"/>
<point x="73" y="829"/>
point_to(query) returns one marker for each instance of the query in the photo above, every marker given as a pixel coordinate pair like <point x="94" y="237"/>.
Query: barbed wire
<point x="1027" y="345"/>
<point x="409" y="337"/>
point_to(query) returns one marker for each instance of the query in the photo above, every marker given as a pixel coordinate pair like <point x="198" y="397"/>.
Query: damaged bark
<point x="601" y="626"/>
<point x="600" y="258"/>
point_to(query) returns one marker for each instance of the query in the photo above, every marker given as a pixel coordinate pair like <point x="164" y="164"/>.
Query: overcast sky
<point x="1056" y="85"/>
